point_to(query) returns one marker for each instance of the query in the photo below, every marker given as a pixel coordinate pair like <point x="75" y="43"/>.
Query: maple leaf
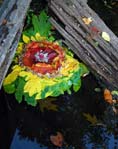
<point x="47" y="104"/>
<point x="92" y="119"/>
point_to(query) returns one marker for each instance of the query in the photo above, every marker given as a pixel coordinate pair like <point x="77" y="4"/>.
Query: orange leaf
<point x="108" y="96"/>
<point x="87" y="21"/>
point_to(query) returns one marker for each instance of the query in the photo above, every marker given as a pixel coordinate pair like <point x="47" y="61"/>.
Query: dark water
<point x="23" y="126"/>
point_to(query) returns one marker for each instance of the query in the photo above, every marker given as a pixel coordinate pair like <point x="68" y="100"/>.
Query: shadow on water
<point x="28" y="127"/>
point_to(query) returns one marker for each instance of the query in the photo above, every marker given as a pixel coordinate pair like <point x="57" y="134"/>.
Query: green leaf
<point x="20" y="89"/>
<point x="84" y="70"/>
<point x="30" y="100"/>
<point x="10" y="89"/>
<point x="36" y="24"/>
<point x="77" y="86"/>
<point x="39" y="24"/>
<point x="43" y="93"/>
<point x="97" y="89"/>
<point x="76" y="77"/>
<point x="69" y="91"/>
<point x="114" y="93"/>
<point x="44" y="24"/>
<point x="56" y="90"/>
<point x="29" y="32"/>
<point x="51" y="38"/>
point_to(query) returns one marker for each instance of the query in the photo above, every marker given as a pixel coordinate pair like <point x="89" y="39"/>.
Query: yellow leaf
<point x="42" y="38"/>
<point x="33" y="86"/>
<point x="17" y="68"/>
<point x="47" y="104"/>
<point x="33" y="38"/>
<point x="26" y="39"/>
<point x="92" y="119"/>
<point x="69" y="65"/>
<point x="19" y="48"/>
<point x="106" y="36"/>
<point x="11" y="77"/>
<point x="87" y="21"/>
<point x="27" y="75"/>
<point x="38" y="36"/>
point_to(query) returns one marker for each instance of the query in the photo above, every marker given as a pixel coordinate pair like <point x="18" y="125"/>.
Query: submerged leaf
<point x="92" y="119"/>
<point x="47" y="104"/>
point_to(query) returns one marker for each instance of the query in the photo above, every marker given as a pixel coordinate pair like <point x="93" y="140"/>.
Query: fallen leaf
<point x="92" y="119"/>
<point x="108" y="96"/>
<point x="47" y="104"/>
<point x="106" y="36"/>
<point x="97" y="89"/>
<point x="57" y="139"/>
<point x="114" y="93"/>
<point x="95" y="30"/>
<point x="87" y="21"/>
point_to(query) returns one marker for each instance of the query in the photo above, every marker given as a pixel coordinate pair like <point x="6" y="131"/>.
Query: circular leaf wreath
<point x="42" y="69"/>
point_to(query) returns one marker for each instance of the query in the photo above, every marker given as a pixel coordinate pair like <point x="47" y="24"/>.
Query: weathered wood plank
<point x="101" y="59"/>
<point x="12" y="15"/>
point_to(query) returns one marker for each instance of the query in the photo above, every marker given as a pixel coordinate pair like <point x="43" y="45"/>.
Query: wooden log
<point x="99" y="55"/>
<point x="12" y="15"/>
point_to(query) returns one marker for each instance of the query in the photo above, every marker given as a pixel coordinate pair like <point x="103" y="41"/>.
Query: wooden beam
<point x="12" y="15"/>
<point x="99" y="55"/>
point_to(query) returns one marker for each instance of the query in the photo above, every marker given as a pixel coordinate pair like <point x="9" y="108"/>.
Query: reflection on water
<point x="20" y="143"/>
<point x="84" y="120"/>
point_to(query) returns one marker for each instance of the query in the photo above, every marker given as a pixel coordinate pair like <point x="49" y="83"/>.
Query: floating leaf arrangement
<point x="42" y="67"/>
